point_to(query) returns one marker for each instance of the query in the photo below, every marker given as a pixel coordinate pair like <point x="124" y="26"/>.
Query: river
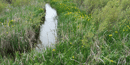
<point x="48" y="33"/>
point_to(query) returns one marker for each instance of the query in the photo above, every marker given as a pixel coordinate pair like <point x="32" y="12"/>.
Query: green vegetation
<point x="2" y="5"/>
<point x="19" y="27"/>
<point x="89" y="32"/>
<point x="20" y="2"/>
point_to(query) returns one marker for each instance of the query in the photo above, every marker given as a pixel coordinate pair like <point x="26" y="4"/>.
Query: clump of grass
<point x="110" y="23"/>
<point x="20" y="28"/>
<point x="2" y="5"/>
<point x="14" y="3"/>
<point x="20" y="2"/>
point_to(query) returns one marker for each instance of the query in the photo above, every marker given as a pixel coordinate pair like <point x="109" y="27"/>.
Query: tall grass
<point x="20" y="2"/>
<point x="89" y="32"/>
<point x="2" y="5"/>
<point x="20" y="27"/>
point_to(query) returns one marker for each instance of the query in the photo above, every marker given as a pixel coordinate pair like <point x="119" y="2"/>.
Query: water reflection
<point x="48" y="32"/>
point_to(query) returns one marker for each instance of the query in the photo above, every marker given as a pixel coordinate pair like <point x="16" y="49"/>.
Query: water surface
<point x="48" y="32"/>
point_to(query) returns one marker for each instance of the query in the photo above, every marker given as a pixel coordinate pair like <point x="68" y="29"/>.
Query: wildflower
<point x="78" y="26"/>
<point x="12" y="20"/>
<point x="12" y="26"/>
<point x="128" y="26"/>
<point x="75" y="7"/>
<point x="88" y="19"/>
<point x="82" y="40"/>
<point x="72" y="56"/>
<point x="53" y="50"/>
<point x="111" y="61"/>
<point x="123" y="30"/>
<point x="116" y="31"/>
<point x="110" y="35"/>
<point x="7" y="32"/>
<point x="70" y="43"/>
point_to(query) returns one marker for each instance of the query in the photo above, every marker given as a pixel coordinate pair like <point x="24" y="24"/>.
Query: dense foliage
<point x="89" y="32"/>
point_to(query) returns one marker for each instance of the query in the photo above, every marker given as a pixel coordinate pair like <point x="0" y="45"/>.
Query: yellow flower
<point x="70" y="43"/>
<point x="11" y="20"/>
<point x="111" y="61"/>
<point x="116" y="31"/>
<point x="75" y="7"/>
<point x="72" y="56"/>
<point x="12" y="26"/>
<point x="123" y="30"/>
<point x="53" y="50"/>
<point x="7" y="32"/>
<point x="110" y="35"/>
<point x="128" y="26"/>
<point x="82" y="40"/>
<point x="88" y="19"/>
<point x="78" y="26"/>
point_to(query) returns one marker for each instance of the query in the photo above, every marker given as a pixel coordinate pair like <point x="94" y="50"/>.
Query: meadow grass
<point x="20" y="26"/>
<point x="89" y="32"/>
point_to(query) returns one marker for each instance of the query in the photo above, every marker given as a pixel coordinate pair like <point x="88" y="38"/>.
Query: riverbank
<point x="87" y="34"/>
<point x="20" y="26"/>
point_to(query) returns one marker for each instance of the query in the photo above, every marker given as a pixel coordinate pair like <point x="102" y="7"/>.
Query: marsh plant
<point x="20" y="28"/>
<point x="89" y="32"/>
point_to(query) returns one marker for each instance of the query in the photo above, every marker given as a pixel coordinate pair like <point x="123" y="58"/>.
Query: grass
<point x="20" y="27"/>
<point x="87" y="34"/>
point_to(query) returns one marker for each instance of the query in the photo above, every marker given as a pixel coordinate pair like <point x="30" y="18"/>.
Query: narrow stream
<point x="48" y="33"/>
